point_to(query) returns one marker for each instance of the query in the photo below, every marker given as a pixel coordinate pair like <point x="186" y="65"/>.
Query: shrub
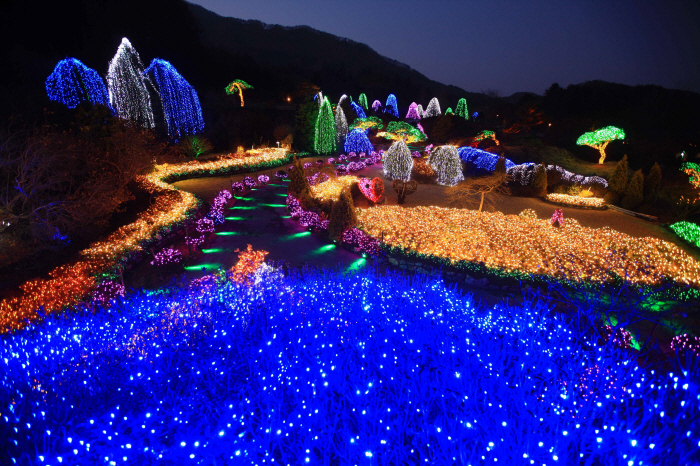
<point x="653" y="183"/>
<point x="634" y="194"/>
<point x="343" y="216"/>
<point x="539" y="182"/>
<point x="618" y="179"/>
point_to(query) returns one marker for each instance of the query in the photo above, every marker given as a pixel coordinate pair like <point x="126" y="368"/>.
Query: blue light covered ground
<point x="334" y="368"/>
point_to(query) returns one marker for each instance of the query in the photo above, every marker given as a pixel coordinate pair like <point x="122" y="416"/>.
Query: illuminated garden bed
<point x="576" y="201"/>
<point x="333" y="368"/>
<point x="521" y="246"/>
<point x="688" y="231"/>
<point x="73" y="283"/>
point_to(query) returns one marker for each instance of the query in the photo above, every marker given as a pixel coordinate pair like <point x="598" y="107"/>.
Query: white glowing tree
<point x="447" y="165"/>
<point x="433" y="108"/>
<point x="126" y="84"/>
<point x="341" y="123"/>
<point x="420" y="111"/>
<point x="398" y="162"/>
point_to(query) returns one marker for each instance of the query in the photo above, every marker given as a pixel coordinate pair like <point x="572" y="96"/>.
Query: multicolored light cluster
<point x="72" y="83"/>
<point x="72" y="283"/>
<point x="576" y="201"/>
<point x="531" y="246"/>
<point x="237" y="86"/>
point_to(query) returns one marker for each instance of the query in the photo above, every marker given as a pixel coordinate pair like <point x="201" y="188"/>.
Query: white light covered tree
<point x="341" y="123"/>
<point x="433" y="108"/>
<point x="398" y="162"/>
<point x="447" y="165"/>
<point x="420" y="111"/>
<point x="126" y="84"/>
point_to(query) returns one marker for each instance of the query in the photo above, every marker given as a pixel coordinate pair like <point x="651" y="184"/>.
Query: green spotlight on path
<point x="235" y="218"/>
<point x="322" y="249"/>
<point x="281" y="195"/>
<point x="212" y="250"/>
<point x="228" y="233"/>
<point x="244" y="207"/>
<point x="295" y="236"/>
<point x="199" y="267"/>
<point x="359" y="263"/>
<point x="273" y="205"/>
<point x="245" y="199"/>
<point x="286" y="216"/>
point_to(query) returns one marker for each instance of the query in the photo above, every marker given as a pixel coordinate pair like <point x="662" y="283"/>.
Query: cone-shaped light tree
<point x="433" y="109"/>
<point x="391" y="106"/>
<point x="447" y="165"/>
<point x="461" y="109"/>
<point x="325" y="136"/>
<point x="420" y="111"/>
<point x="363" y="101"/>
<point x="449" y="111"/>
<point x="398" y="162"/>
<point x="376" y="105"/>
<point x="236" y="87"/>
<point x="181" y="109"/>
<point x="126" y="84"/>
<point x="600" y="139"/>
<point x="413" y="112"/>
<point x="72" y="83"/>
<point x="357" y="141"/>
<point x="341" y="123"/>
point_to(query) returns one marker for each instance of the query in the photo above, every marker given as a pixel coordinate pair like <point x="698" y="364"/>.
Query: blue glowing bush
<point x="333" y="368"/>
<point x="358" y="110"/>
<point x="391" y="106"/>
<point x="72" y="83"/>
<point x="357" y="141"/>
<point x="481" y="159"/>
<point x="181" y="109"/>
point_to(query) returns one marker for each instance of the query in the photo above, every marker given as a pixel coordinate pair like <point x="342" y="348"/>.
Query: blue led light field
<point x="334" y="368"/>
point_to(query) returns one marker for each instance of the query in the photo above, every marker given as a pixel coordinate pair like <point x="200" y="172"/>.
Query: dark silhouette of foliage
<point x="618" y="180"/>
<point x="652" y="184"/>
<point x="634" y="194"/>
<point x="342" y="216"/>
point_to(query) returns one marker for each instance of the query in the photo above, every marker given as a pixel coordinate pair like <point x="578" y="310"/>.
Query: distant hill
<point x="209" y="50"/>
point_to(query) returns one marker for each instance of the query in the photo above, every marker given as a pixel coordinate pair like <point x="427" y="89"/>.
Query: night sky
<point x="509" y="46"/>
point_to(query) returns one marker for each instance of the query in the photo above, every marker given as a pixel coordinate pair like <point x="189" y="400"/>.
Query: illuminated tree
<point x="600" y="139"/>
<point x="127" y="86"/>
<point x="539" y="181"/>
<point x="447" y="165"/>
<point x="634" y="194"/>
<point x="449" y="111"/>
<point x="298" y="184"/>
<point x="366" y="123"/>
<point x="461" y="109"/>
<point x="376" y="105"/>
<point x="486" y="134"/>
<point x="341" y="123"/>
<point x="72" y="83"/>
<point x="404" y="188"/>
<point x="391" y="106"/>
<point x="413" y="112"/>
<point x="357" y="141"/>
<point x="398" y="162"/>
<point x="480" y="186"/>
<point x="236" y="87"/>
<point x="325" y="137"/>
<point x="400" y="130"/>
<point x="433" y="109"/>
<point x="358" y="110"/>
<point x="363" y="101"/>
<point x="181" y="109"/>
<point x="420" y="111"/>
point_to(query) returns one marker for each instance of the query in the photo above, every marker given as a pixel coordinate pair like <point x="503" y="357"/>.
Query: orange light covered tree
<point x="236" y="87"/>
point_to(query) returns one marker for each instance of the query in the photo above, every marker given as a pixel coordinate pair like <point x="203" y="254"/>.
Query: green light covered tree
<point x="449" y="111"/>
<point x="447" y="165"/>
<point x="363" y="101"/>
<point x="600" y="139"/>
<point x="325" y="136"/>
<point x="461" y="109"/>
<point x="398" y="162"/>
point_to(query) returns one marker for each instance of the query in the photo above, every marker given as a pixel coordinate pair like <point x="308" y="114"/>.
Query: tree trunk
<point x="481" y="205"/>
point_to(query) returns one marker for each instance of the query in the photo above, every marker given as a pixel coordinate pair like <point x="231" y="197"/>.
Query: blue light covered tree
<point x="181" y="109"/>
<point x="357" y="141"/>
<point x="391" y="106"/>
<point x="360" y="112"/>
<point x="72" y="83"/>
